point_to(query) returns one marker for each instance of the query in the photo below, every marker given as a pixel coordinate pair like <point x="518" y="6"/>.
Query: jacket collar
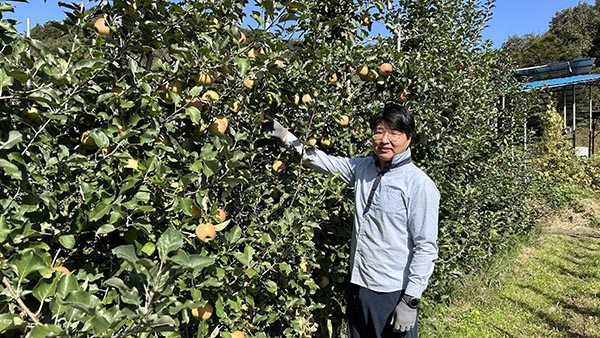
<point x="395" y="160"/>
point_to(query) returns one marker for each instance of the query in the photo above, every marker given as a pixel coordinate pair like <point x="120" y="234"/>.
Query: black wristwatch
<point x="412" y="302"/>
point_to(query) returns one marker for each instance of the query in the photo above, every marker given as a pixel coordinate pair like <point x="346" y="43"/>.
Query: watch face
<point x="411" y="301"/>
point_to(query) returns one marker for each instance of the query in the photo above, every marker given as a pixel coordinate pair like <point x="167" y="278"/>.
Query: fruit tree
<point x="139" y="194"/>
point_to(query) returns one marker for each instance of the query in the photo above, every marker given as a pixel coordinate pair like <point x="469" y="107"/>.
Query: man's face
<point x="387" y="142"/>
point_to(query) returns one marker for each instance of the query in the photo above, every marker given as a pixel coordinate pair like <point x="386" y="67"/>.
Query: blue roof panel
<point x="561" y="82"/>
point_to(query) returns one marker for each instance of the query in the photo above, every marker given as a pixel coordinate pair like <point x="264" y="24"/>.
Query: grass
<point x="549" y="287"/>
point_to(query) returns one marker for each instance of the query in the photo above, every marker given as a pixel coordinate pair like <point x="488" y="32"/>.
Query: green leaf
<point x="100" y="324"/>
<point x="27" y="263"/>
<point x="5" y="80"/>
<point x="10" y="169"/>
<point x="126" y="252"/>
<point x="82" y="300"/>
<point x="10" y="321"/>
<point x="133" y="65"/>
<point x="194" y="262"/>
<point x="99" y="138"/>
<point x="45" y="330"/>
<point x="271" y="286"/>
<point x="99" y="211"/>
<point x="245" y="257"/>
<point x="14" y="137"/>
<point x="117" y="283"/>
<point x="170" y="241"/>
<point x="243" y="65"/>
<point x="89" y="64"/>
<point x="6" y="8"/>
<point x="105" y="229"/>
<point x="4" y="228"/>
<point x="44" y="289"/>
<point x="67" y="241"/>
<point x="194" y="114"/>
<point x="148" y="248"/>
<point x="66" y="285"/>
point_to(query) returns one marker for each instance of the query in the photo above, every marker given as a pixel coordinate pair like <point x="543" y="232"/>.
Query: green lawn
<point x="547" y="289"/>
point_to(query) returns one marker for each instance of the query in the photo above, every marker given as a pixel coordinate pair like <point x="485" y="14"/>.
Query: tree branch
<point x="19" y="300"/>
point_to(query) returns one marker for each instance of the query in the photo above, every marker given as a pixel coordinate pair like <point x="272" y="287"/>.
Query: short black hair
<point x="397" y="116"/>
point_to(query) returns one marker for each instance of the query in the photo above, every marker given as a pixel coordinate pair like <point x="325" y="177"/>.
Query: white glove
<point x="404" y="317"/>
<point x="273" y="128"/>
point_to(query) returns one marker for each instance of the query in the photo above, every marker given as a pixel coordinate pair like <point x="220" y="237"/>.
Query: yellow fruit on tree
<point x="333" y="78"/>
<point x="222" y="215"/>
<point x="326" y="142"/>
<point x="235" y="106"/>
<point x="205" y="78"/>
<point x="312" y="141"/>
<point x="218" y="126"/>
<point x="385" y="69"/>
<point x="278" y="167"/>
<point x="237" y="334"/>
<point x="362" y="71"/>
<point x="203" y="312"/>
<point x="238" y="40"/>
<point x="32" y="114"/>
<point x="254" y="52"/>
<point x="296" y="99"/>
<point x="372" y="76"/>
<point x="210" y="96"/>
<point x="249" y="82"/>
<point x="344" y="120"/>
<point x="306" y="99"/>
<point x="87" y="141"/>
<point x="206" y="232"/>
<point x="101" y="27"/>
<point x="174" y="87"/>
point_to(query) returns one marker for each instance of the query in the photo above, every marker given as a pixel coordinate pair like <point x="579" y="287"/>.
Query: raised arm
<point x="314" y="158"/>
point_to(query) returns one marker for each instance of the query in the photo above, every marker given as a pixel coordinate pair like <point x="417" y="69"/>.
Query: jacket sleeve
<point x="321" y="162"/>
<point x="423" y="212"/>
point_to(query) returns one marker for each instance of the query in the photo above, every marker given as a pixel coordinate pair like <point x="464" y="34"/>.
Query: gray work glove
<point x="404" y="317"/>
<point x="273" y="128"/>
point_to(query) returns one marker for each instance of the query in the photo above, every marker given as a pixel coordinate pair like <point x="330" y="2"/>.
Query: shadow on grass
<point x="552" y="323"/>
<point x="584" y="311"/>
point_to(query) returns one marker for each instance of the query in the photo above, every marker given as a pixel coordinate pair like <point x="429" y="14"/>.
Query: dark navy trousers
<point x="369" y="314"/>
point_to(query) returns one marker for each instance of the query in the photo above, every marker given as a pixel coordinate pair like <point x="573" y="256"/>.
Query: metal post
<point x="564" y="109"/>
<point x="525" y="134"/>
<point x="574" y="122"/>
<point x="591" y="130"/>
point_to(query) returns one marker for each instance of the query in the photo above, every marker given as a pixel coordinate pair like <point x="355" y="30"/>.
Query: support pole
<point x="591" y="127"/>
<point x="565" y="109"/>
<point x="574" y="112"/>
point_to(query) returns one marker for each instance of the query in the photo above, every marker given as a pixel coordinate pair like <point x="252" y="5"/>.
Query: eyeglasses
<point x="393" y="136"/>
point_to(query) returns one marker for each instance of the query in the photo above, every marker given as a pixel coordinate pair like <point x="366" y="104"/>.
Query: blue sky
<point x="510" y="17"/>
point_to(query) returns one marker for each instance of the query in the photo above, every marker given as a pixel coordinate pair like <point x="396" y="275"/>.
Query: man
<point x="395" y="226"/>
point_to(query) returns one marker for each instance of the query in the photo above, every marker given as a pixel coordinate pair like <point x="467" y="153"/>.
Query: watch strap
<point x="412" y="302"/>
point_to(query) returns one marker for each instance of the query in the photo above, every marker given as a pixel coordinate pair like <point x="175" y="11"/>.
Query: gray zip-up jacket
<point x="394" y="241"/>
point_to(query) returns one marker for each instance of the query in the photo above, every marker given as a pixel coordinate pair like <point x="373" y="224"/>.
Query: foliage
<point x="53" y="36"/>
<point x="563" y="176"/>
<point x="110" y="158"/>
<point x="572" y="33"/>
